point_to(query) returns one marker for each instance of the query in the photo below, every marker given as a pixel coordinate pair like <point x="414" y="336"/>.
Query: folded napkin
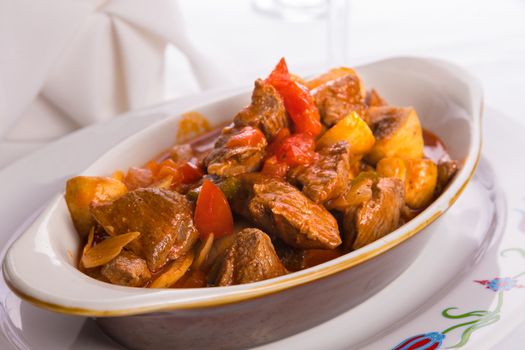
<point x="65" y="64"/>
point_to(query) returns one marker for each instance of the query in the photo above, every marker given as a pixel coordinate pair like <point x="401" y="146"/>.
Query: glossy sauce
<point x="201" y="144"/>
<point x="434" y="148"/>
<point x="204" y="143"/>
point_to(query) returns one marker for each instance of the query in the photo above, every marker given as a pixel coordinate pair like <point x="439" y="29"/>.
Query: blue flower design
<point x="505" y="284"/>
<point x="500" y="284"/>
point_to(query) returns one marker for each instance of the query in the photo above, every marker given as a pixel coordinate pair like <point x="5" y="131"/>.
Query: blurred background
<point x="246" y="42"/>
<point x="68" y="64"/>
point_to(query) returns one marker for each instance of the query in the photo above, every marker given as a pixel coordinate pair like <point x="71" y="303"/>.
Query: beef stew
<point x="309" y="171"/>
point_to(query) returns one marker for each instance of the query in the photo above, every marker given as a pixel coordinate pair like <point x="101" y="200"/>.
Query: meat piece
<point x="356" y="192"/>
<point x="289" y="256"/>
<point x="83" y="191"/>
<point x="94" y="273"/>
<point x="295" y="259"/>
<point x="446" y="171"/>
<point x="338" y="97"/>
<point x="251" y="258"/>
<point x="327" y="176"/>
<point x="226" y="161"/>
<point x="408" y="214"/>
<point x="127" y="269"/>
<point x="266" y="112"/>
<point x="375" y="217"/>
<point x="282" y="210"/>
<point x="163" y="217"/>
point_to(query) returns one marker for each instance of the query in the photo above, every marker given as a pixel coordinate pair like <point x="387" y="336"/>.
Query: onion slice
<point x="204" y="251"/>
<point x="174" y="272"/>
<point x="107" y="250"/>
<point x="89" y="243"/>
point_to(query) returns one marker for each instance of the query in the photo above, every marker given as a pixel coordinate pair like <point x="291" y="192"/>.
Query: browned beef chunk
<point x="336" y="98"/>
<point x="375" y="217"/>
<point x="289" y="256"/>
<point x="230" y="161"/>
<point x="446" y="171"/>
<point x="163" y="217"/>
<point x="251" y="258"/>
<point x="266" y="112"/>
<point x="94" y="273"/>
<point x="408" y="214"/>
<point x="127" y="269"/>
<point x="356" y="192"/>
<point x="281" y="209"/>
<point x="295" y="259"/>
<point x="327" y="176"/>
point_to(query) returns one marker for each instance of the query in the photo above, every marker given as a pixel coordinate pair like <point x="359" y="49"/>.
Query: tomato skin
<point x="296" y="150"/>
<point x="192" y="279"/>
<point x="168" y="168"/>
<point x="249" y="136"/>
<point x="212" y="212"/>
<point x="181" y="173"/>
<point x="191" y="172"/>
<point x="277" y="142"/>
<point x="297" y="99"/>
<point x="153" y="166"/>
<point x="273" y="167"/>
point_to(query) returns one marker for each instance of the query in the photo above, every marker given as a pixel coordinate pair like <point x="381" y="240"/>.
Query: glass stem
<point x="337" y="32"/>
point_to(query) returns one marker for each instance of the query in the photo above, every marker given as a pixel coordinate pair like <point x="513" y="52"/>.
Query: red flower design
<point x="427" y="341"/>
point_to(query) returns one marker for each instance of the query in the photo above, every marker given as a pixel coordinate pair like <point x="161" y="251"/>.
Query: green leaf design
<point x="477" y="313"/>
<point x="459" y="326"/>
<point x="486" y="317"/>
<point x="484" y="322"/>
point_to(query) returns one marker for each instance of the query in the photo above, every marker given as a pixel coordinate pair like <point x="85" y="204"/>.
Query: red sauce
<point x="202" y="144"/>
<point x="205" y="142"/>
<point x="434" y="149"/>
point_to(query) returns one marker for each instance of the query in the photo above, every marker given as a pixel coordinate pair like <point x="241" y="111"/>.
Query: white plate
<point x="409" y="306"/>
<point x="40" y="264"/>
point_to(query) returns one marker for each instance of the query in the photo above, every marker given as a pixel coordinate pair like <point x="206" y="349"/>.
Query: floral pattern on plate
<point x="470" y="321"/>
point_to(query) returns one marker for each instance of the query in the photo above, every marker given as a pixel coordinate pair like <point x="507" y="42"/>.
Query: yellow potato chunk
<point x="392" y="167"/>
<point x="420" y="182"/>
<point x="419" y="175"/>
<point x="191" y="125"/>
<point x="351" y="129"/>
<point x="397" y="132"/>
<point x="82" y="191"/>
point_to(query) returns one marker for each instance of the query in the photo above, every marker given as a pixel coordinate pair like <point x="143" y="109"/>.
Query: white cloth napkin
<point x="65" y="64"/>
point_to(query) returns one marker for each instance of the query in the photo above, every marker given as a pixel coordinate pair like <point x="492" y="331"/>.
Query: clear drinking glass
<point x="335" y="13"/>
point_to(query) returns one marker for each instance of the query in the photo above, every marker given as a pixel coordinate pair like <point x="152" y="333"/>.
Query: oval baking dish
<point x="40" y="265"/>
